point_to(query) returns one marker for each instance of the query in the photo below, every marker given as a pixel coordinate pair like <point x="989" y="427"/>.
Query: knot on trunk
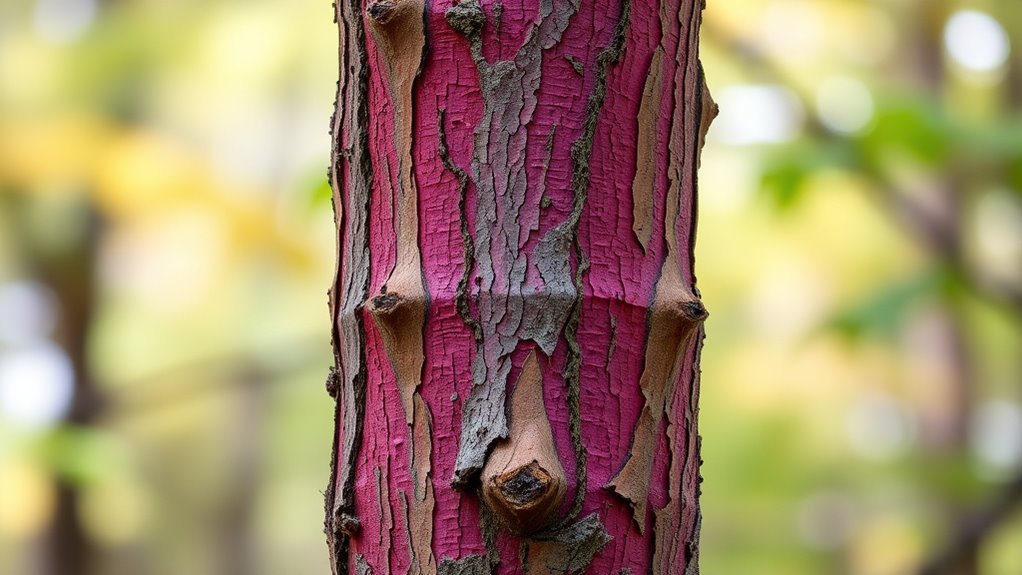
<point x="683" y="311"/>
<point x="524" y="498"/>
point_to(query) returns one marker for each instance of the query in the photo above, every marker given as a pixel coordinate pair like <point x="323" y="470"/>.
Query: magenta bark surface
<point x="524" y="138"/>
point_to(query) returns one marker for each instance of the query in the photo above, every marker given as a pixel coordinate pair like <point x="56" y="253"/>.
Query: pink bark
<point x="541" y="113"/>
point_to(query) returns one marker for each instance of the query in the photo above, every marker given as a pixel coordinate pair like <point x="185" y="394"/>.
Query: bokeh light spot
<point x="756" y="114"/>
<point x="976" y="41"/>
<point x="878" y="427"/>
<point x="844" y="104"/>
<point x="36" y="385"/>
<point x="63" y="21"/>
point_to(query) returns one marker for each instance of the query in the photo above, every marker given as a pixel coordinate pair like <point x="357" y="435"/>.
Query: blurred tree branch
<point x="976" y="527"/>
<point x="936" y="235"/>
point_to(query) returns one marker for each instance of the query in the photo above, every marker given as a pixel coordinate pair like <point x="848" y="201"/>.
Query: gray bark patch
<point x="498" y="169"/>
<point x="471" y="565"/>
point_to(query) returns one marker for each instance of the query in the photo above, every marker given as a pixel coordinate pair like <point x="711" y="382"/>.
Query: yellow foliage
<point x="27" y="499"/>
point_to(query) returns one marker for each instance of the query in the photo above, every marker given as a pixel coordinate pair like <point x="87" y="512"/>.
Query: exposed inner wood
<point x="419" y="511"/>
<point x="523" y="481"/>
<point x="400" y="317"/>
<point x="400" y="307"/>
<point x="645" y="153"/>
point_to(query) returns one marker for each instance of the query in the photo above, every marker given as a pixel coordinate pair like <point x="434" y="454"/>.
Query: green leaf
<point x="83" y="456"/>
<point x="882" y="313"/>
<point x="787" y="170"/>
<point x="914" y="126"/>
<point x="315" y="192"/>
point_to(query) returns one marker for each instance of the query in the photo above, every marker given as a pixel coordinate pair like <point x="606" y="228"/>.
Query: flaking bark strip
<point x="419" y="510"/>
<point x="468" y="256"/>
<point x="646" y="151"/>
<point x="383" y="508"/>
<point x="708" y="112"/>
<point x="674" y="315"/>
<point x="508" y="89"/>
<point x="581" y="151"/>
<point x="471" y="565"/>
<point x="668" y="539"/>
<point x="697" y="121"/>
<point x="399" y="310"/>
<point x="569" y="550"/>
<point x="350" y="150"/>
<point x="419" y="518"/>
<point x="695" y="449"/>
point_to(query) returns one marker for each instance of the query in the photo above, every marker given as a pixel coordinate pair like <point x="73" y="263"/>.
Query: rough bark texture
<point x="515" y="319"/>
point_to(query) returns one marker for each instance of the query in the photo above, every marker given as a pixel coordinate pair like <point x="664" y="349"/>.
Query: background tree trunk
<point x="516" y="324"/>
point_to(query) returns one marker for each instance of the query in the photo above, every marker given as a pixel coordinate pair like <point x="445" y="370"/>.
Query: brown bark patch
<point x="523" y="481"/>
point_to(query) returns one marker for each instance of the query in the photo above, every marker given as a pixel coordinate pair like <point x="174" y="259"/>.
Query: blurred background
<point x="166" y="246"/>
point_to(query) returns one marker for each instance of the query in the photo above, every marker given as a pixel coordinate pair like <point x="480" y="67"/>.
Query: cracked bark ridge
<point x="351" y="179"/>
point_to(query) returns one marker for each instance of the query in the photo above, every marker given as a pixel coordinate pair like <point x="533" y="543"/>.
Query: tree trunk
<point x="515" y="319"/>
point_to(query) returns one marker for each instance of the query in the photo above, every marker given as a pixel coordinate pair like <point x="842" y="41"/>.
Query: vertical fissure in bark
<point x="581" y="152"/>
<point x="468" y="245"/>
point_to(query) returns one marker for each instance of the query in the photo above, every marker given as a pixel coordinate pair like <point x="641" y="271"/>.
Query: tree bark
<point x="516" y="325"/>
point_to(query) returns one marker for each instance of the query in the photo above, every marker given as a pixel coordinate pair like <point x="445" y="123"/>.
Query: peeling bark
<point x="514" y="191"/>
<point x="569" y="551"/>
